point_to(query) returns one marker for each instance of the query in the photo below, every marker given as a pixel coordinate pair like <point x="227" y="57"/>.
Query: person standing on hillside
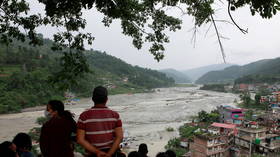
<point x="100" y="128"/>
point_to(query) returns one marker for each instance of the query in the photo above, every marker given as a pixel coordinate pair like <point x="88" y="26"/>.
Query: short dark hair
<point x="161" y="154"/>
<point x="143" y="148"/>
<point x="170" y="153"/>
<point x="99" y="95"/>
<point x="23" y="140"/>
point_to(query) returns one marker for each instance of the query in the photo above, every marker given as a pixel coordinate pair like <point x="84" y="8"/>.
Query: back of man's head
<point x="143" y="148"/>
<point x="99" y="95"/>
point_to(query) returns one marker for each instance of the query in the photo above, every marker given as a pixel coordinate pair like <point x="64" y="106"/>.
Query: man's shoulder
<point x="107" y="111"/>
<point x="85" y="111"/>
<point x="112" y="111"/>
<point x="99" y="110"/>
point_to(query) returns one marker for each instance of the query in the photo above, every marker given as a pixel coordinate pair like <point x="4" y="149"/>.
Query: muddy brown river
<point x="145" y="116"/>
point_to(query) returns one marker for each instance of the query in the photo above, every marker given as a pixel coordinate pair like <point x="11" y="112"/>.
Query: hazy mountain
<point x="264" y="67"/>
<point x="178" y="77"/>
<point x="196" y="73"/>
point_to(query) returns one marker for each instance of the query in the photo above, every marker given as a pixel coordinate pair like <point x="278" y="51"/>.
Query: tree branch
<point x="182" y="10"/>
<point x="208" y="29"/>
<point x="193" y="39"/>
<point x="69" y="42"/>
<point x="219" y="39"/>
<point x="229" y="13"/>
<point x="142" y="30"/>
<point x="224" y="21"/>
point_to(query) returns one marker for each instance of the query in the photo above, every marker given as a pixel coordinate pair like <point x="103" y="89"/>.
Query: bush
<point x="41" y="120"/>
<point x="187" y="131"/>
<point x="170" y="129"/>
<point x="174" y="145"/>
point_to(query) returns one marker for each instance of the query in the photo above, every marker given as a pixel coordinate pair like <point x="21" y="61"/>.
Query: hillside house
<point x="271" y="121"/>
<point x="231" y="115"/>
<point x="216" y="141"/>
<point x="242" y="87"/>
<point x="276" y="96"/>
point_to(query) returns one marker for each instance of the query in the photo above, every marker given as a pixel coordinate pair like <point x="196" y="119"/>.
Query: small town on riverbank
<point x="251" y="129"/>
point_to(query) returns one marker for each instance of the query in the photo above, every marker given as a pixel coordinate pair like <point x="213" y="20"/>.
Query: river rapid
<point x="145" y="116"/>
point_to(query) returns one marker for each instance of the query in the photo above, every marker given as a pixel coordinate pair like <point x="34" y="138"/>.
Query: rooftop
<point x="231" y="108"/>
<point x="252" y="130"/>
<point x="223" y="125"/>
<point x="271" y="135"/>
<point x="249" y="138"/>
<point x="208" y="135"/>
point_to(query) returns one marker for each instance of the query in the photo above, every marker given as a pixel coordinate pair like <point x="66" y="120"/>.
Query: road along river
<point x="145" y="116"/>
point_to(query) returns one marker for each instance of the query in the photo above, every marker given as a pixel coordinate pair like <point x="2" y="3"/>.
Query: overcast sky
<point x="261" y="42"/>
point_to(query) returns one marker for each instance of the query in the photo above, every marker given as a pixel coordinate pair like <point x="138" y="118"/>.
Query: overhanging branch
<point x="219" y="38"/>
<point x="229" y="13"/>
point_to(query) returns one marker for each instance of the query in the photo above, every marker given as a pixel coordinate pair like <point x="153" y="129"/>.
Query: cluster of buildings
<point x="242" y="87"/>
<point x="272" y="100"/>
<point x="234" y="136"/>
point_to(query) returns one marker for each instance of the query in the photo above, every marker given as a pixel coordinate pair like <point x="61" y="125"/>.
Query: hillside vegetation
<point x="264" y="69"/>
<point x="27" y="74"/>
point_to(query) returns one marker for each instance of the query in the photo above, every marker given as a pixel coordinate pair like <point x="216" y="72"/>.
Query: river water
<point x="145" y="116"/>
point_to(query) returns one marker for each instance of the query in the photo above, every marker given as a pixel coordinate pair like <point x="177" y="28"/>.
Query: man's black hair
<point x="143" y="148"/>
<point x="99" y="95"/>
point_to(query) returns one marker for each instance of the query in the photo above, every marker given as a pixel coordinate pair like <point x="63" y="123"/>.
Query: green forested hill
<point x="263" y="68"/>
<point x="122" y="77"/>
<point x="25" y="74"/>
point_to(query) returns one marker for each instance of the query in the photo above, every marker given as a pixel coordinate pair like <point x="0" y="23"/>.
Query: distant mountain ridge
<point x="178" y="77"/>
<point x="262" y="67"/>
<point x="196" y="73"/>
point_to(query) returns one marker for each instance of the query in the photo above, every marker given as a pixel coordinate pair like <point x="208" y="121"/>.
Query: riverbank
<point x="145" y="116"/>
